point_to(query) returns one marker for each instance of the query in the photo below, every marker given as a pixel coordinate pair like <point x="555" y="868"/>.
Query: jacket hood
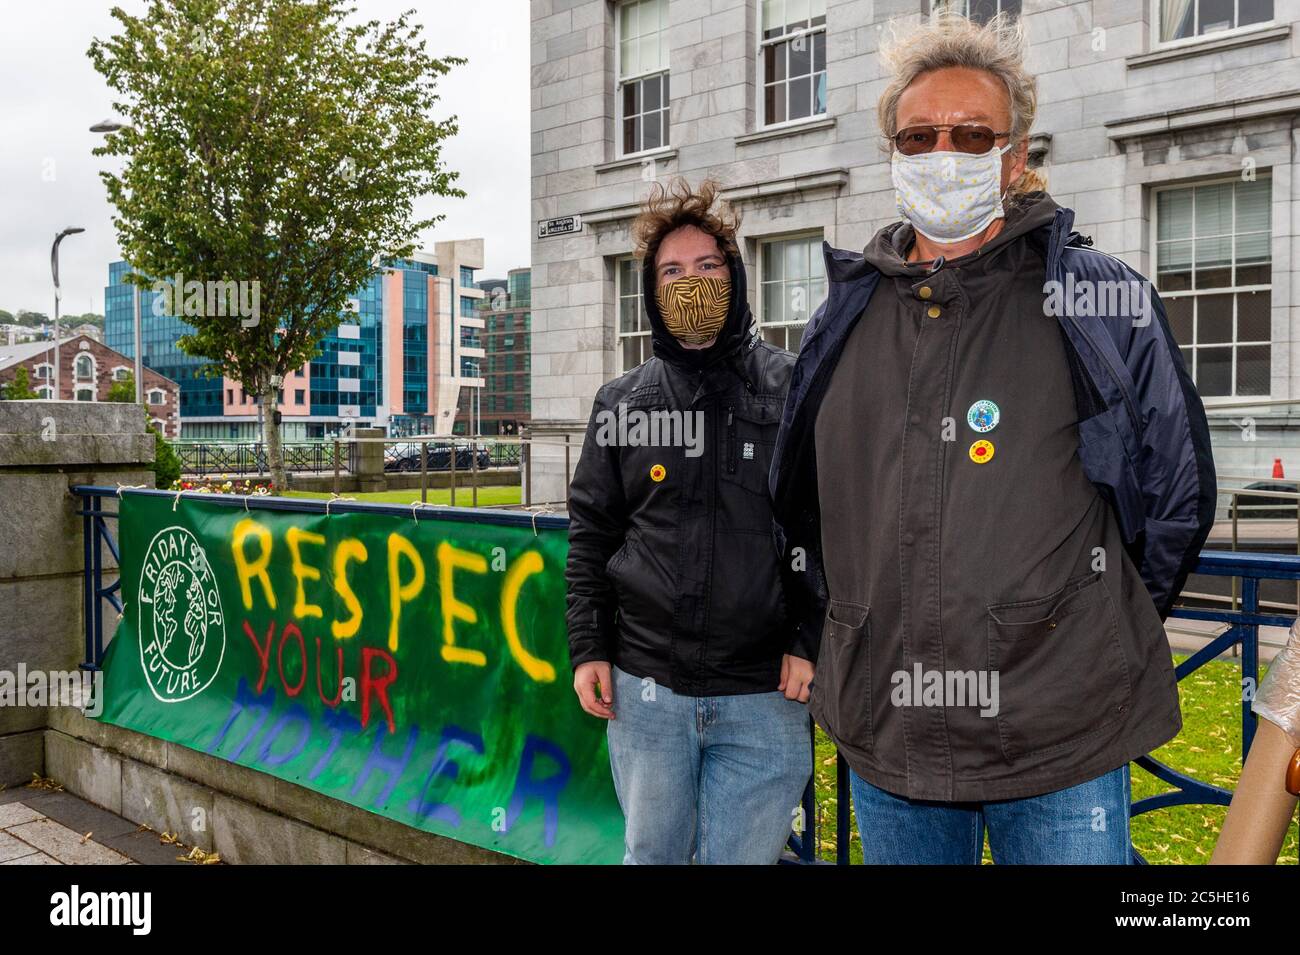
<point x="887" y="251"/>
<point x="735" y="329"/>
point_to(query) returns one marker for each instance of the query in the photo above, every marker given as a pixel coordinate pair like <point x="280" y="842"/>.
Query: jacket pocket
<point x="1061" y="672"/>
<point x="842" y="683"/>
<point x="748" y="442"/>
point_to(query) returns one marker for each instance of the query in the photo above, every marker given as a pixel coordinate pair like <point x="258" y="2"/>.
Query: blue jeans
<point x="714" y="778"/>
<point x="1085" y="824"/>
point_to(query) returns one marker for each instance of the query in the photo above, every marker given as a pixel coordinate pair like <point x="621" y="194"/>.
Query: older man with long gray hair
<point x="992" y="477"/>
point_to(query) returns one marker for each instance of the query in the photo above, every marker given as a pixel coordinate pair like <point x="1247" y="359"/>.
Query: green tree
<point x="6" y="317"/>
<point x="20" y="389"/>
<point x="275" y="142"/>
<point x="166" y="464"/>
<point x="122" y="389"/>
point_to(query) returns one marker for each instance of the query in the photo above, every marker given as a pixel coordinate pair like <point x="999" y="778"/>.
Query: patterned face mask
<point x="949" y="196"/>
<point x="695" y="307"/>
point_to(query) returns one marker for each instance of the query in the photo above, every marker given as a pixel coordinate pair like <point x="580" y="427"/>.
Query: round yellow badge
<point x="658" y="473"/>
<point x="981" y="452"/>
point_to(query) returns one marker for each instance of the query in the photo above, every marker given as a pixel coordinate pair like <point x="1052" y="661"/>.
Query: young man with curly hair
<point x="678" y="629"/>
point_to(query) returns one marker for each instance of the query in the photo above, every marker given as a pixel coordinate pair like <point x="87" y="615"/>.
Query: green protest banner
<point x="417" y="668"/>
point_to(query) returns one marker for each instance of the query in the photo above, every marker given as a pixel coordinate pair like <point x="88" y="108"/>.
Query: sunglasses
<point x="966" y="138"/>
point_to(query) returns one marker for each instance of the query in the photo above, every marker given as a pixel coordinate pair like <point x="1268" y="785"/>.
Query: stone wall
<point x="45" y="448"/>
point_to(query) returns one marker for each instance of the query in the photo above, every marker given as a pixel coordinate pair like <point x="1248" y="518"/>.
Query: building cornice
<point x="1190" y="117"/>
<point x="825" y="179"/>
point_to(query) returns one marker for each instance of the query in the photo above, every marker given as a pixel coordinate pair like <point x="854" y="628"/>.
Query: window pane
<point x="631" y="353"/>
<point x="1213" y="319"/>
<point x="1253" y="371"/>
<point x="650" y="53"/>
<point x="650" y="94"/>
<point x="796" y="13"/>
<point x="773" y="301"/>
<point x="775" y="103"/>
<point x="772" y="262"/>
<point x="1255" y="317"/>
<point x="773" y="17"/>
<point x="1175" y="24"/>
<point x="796" y="260"/>
<point x="1179" y="313"/>
<point x="982" y="11"/>
<point x="1214" y="371"/>
<point x="1216" y="15"/>
<point x="650" y="131"/>
<point x="1213" y="258"/>
<point x="800" y="56"/>
<point x="774" y="62"/>
<point x="627" y="59"/>
<point x="1174" y="214"/>
<point x="800" y="98"/>
<point x="819" y="52"/>
<point x="1174" y="266"/>
<point x="1254" y="11"/>
<point x="1214" y="210"/>
<point x="1254" y="206"/>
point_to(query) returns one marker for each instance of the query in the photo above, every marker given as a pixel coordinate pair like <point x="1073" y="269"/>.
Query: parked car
<point x="406" y="457"/>
<point x="1260" y="507"/>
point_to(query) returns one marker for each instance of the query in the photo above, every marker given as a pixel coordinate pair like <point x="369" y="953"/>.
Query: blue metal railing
<point x="1243" y="629"/>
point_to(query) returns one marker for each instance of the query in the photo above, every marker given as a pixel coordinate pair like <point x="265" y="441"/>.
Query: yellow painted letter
<point x="296" y="536"/>
<point x="523" y="568"/>
<point x="350" y="549"/>
<point x="247" y="569"/>
<point x="399" y="593"/>
<point x="449" y="560"/>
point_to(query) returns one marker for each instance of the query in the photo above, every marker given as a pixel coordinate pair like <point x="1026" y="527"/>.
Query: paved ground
<point x="42" y="827"/>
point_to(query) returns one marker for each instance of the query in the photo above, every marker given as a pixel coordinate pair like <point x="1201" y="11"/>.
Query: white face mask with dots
<point x="949" y="196"/>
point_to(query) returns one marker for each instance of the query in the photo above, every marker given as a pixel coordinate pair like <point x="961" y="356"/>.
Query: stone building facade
<point x="87" y="370"/>
<point x="1167" y="125"/>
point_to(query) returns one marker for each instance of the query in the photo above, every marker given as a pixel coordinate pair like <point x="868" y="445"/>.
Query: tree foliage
<point x="20" y="389"/>
<point x="281" y="142"/>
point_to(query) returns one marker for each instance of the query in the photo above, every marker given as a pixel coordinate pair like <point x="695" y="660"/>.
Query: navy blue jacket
<point x="1143" y="438"/>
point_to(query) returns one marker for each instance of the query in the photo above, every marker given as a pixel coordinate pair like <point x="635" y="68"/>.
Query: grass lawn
<point x="1208" y="749"/>
<point x="493" y="496"/>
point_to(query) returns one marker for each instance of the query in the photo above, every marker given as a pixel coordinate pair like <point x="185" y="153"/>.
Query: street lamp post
<point x="111" y="126"/>
<point x="54" y="270"/>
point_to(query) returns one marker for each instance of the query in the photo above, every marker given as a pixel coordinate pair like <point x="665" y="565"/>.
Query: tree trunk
<point x="271" y="437"/>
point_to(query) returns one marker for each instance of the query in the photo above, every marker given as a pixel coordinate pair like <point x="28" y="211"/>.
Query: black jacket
<point x="672" y="573"/>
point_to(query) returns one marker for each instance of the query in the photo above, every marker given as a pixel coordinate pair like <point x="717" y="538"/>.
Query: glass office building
<point x="393" y="362"/>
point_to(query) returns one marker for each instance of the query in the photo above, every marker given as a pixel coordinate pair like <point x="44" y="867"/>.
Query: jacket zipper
<point x="731" y="439"/>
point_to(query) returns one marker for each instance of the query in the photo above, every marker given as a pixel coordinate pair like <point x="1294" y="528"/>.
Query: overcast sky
<point x="50" y="95"/>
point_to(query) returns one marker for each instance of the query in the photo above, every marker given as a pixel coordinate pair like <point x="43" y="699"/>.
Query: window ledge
<point x="1237" y="40"/>
<point x="793" y="129"/>
<point x="639" y="159"/>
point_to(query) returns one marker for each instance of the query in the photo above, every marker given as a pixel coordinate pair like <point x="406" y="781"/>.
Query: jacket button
<point x="1051" y="625"/>
<point x="933" y="311"/>
<point x="925" y="291"/>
